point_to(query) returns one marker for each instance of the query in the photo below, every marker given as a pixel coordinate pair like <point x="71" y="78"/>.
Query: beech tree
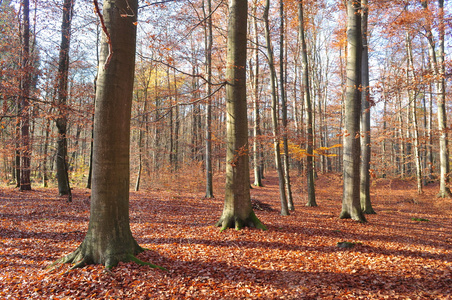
<point x="366" y="204"/>
<point x="61" y="122"/>
<point x="308" y="106"/>
<point x="237" y="211"/>
<point x="109" y="239"/>
<point x="351" y="207"/>
<point x="24" y="104"/>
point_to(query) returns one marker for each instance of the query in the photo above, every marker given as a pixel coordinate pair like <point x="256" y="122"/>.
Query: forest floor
<point x="395" y="254"/>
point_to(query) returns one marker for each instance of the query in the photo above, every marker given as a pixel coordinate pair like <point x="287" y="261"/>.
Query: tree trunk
<point x="282" y="83"/>
<point x="237" y="211"/>
<point x="25" y="149"/>
<point x="109" y="239"/>
<point x="257" y="146"/>
<point x="412" y="95"/>
<point x="61" y="122"/>
<point x="308" y="106"/>
<point x="351" y="207"/>
<point x="209" y="43"/>
<point x="444" y="190"/>
<point x="366" y="204"/>
<point x="279" y="168"/>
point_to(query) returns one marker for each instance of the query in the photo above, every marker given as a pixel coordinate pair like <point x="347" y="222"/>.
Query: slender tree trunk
<point x="412" y="95"/>
<point x="25" y="150"/>
<point x="257" y="146"/>
<point x="109" y="239"/>
<point x="444" y="190"/>
<point x="402" y="159"/>
<point x="276" y="145"/>
<point x="282" y="83"/>
<point x="351" y="207"/>
<point x="61" y="122"/>
<point x="308" y="106"/>
<point x="209" y="44"/>
<point x="237" y="211"/>
<point x="366" y="204"/>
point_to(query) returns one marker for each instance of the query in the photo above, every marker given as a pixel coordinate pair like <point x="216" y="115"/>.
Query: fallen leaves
<point x="393" y="256"/>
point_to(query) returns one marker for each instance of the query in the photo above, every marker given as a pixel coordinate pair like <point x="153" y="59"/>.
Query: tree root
<point x="80" y="259"/>
<point x="446" y="194"/>
<point x="234" y="222"/>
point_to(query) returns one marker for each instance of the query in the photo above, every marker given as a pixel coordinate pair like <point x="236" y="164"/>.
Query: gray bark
<point x="237" y="211"/>
<point x="366" y="204"/>
<point x="351" y="207"/>
<point x="274" y="105"/>
<point x="209" y="44"/>
<point x="61" y="122"/>
<point x="308" y="106"/>
<point x="109" y="239"/>
<point x="412" y="95"/>
<point x="257" y="146"/>
<point x="24" y="107"/>
<point x="282" y="84"/>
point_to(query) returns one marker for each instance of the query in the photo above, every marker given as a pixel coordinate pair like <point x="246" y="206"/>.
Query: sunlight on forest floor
<point x="394" y="255"/>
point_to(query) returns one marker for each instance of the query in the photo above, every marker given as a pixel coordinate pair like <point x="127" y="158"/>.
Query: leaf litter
<point x="298" y="256"/>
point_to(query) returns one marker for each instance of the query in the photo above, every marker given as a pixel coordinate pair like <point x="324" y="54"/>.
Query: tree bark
<point x="61" y="122"/>
<point x="444" y="190"/>
<point x="282" y="83"/>
<point x="209" y="43"/>
<point x="308" y="106"/>
<point x="25" y="149"/>
<point x="366" y="204"/>
<point x="412" y="95"/>
<point x="351" y="207"/>
<point x="257" y="146"/>
<point x="109" y="239"/>
<point x="274" y="105"/>
<point x="237" y="211"/>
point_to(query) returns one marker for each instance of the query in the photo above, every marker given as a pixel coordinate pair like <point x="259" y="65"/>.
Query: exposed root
<point x="79" y="258"/>
<point x="143" y="263"/>
<point x="446" y="194"/>
<point x="234" y="222"/>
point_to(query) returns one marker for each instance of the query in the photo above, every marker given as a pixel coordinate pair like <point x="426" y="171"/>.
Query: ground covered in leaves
<point x="405" y="251"/>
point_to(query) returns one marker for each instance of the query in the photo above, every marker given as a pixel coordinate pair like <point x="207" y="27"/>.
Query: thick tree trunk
<point x="274" y="105"/>
<point x="438" y="69"/>
<point x="109" y="239"/>
<point x="308" y="106"/>
<point x="366" y="204"/>
<point x="237" y="211"/>
<point x="351" y="207"/>
<point x="61" y="122"/>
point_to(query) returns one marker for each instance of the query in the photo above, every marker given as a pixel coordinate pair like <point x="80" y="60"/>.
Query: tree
<point x="274" y="105"/>
<point x="61" y="122"/>
<point x="444" y="190"/>
<point x="237" y="211"/>
<point x="109" y="239"/>
<point x="351" y="207"/>
<point x="209" y="42"/>
<point x="24" y="105"/>
<point x="308" y="105"/>
<point x="366" y="205"/>
<point x="257" y="145"/>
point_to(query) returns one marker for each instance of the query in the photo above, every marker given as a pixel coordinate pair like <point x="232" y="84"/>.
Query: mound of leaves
<point x="259" y="205"/>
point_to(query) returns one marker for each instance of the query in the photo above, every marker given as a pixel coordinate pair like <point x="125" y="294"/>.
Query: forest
<point x="136" y="133"/>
